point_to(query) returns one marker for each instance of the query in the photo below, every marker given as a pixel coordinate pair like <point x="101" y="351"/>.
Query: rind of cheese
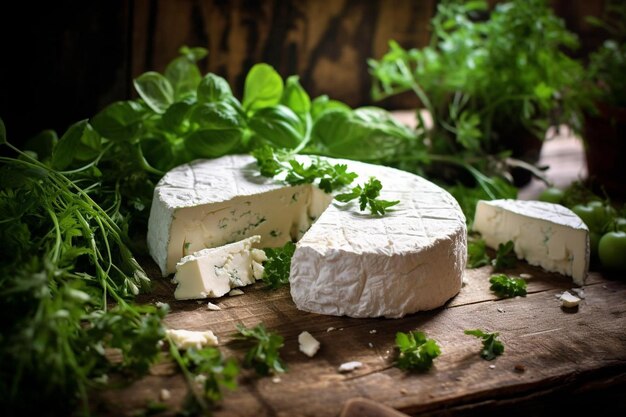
<point x="348" y="262"/>
<point x="214" y="272"/>
<point x="544" y="234"/>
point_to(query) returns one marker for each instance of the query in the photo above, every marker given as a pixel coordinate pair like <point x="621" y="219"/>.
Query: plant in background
<point x="486" y="78"/>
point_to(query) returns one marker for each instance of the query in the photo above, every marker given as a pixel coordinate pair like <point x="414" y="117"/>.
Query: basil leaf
<point x="120" y="121"/>
<point x="65" y="151"/>
<point x="212" y="143"/>
<point x="175" y="117"/>
<point x="365" y="134"/>
<point x="322" y="103"/>
<point x="278" y="125"/>
<point x="295" y="97"/>
<point x="213" y="88"/>
<point x="159" y="153"/>
<point x="89" y="145"/>
<point x="184" y="77"/>
<point x="42" y="144"/>
<point x="263" y="88"/>
<point x="219" y="115"/>
<point x="155" y="90"/>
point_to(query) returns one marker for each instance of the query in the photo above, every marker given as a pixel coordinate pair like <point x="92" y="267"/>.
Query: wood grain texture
<point x="326" y="43"/>
<point x="559" y="351"/>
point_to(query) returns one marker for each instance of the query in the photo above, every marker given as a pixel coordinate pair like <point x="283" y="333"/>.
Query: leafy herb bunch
<point x="486" y="76"/>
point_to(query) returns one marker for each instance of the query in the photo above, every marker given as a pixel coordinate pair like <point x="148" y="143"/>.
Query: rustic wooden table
<point x="555" y="361"/>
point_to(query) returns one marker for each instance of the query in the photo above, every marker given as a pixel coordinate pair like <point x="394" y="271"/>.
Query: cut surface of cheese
<point x="346" y="262"/>
<point x="213" y="272"/>
<point x="544" y="234"/>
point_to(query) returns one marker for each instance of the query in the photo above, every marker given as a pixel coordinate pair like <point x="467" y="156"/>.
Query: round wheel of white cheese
<point x="347" y="262"/>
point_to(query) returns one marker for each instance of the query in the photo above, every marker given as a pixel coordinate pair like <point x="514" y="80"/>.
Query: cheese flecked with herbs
<point x="213" y="272"/>
<point x="346" y="261"/>
<point x="544" y="234"/>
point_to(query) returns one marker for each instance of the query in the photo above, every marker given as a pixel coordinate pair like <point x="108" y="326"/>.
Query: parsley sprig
<point x="416" y="352"/>
<point x="264" y="354"/>
<point x="477" y="253"/>
<point x="278" y="265"/>
<point x="507" y="287"/>
<point x="505" y="256"/>
<point x="491" y="346"/>
<point x="368" y="196"/>
<point x="212" y="371"/>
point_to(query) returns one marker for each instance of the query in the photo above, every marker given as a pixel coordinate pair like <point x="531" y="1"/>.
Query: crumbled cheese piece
<point x="569" y="300"/>
<point x="371" y="345"/>
<point x="235" y="292"/>
<point x="308" y="344"/>
<point x="276" y="379"/>
<point x="165" y="394"/>
<point x="185" y="339"/>
<point x="579" y="292"/>
<point x="492" y="366"/>
<point x="373" y="331"/>
<point x="330" y="329"/>
<point x="525" y="276"/>
<point x="213" y="307"/>
<point x="500" y="310"/>
<point x="349" y="366"/>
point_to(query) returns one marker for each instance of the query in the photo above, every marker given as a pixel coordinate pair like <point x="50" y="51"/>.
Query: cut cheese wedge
<point x="544" y="234"/>
<point x="346" y="262"/>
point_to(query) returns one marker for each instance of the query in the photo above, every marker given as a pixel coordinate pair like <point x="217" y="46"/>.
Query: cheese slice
<point x="346" y="262"/>
<point x="214" y="272"/>
<point x="544" y="234"/>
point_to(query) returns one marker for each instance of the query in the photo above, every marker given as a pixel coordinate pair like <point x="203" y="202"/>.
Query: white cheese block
<point x="214" y="272"/>
<point x="346" y="262"/>
<point x="185" y="339"/>
<point x="544" y="234"/>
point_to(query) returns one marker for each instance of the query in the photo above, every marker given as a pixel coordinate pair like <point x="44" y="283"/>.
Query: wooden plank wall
<point x="64" y="61"/>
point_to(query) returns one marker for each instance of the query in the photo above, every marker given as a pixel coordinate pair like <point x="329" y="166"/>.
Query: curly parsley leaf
<point x="507" y="287"/>
<point x="505" y="256"/>
<point x="416" y="352"/>
<point x="212" y="370"/>
<point x="272" y="162"/>
<point x="491" y="346"/>
<point x="263" y="356"/>
<point x="368" y="195"/>
<point x="278" y="265"/>
<point x="477" y="253"/>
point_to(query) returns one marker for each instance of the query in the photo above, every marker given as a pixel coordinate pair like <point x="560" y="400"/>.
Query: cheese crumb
<point x="492" y="366"/>
<point x="349" y="366"/>
<point x="579" y="292"/>
<point x="276" y="379"/>
<point x="373" y="331"/>
<point x="371" y="345"/>
<point x="330" y="329"/>
<point x="569" y="300"/>
<point x="165" y="394"/>
<point x="308" y="344"/>
<point x="235" y="292"/>
<point x="213" y="307"/>
<point x="185" y="339"/>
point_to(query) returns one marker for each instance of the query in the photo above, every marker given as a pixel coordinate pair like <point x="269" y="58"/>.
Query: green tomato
<point x="552" y="195"/>
<point x="620" y="224"/>
<point x="596" y="215"/>
<point x="612" y="251"/>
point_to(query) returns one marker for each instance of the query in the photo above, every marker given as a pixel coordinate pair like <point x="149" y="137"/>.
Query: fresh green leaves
<point x="331" y="177"/>
<point x="416" y="352"/>
<point x="278" y="125"/>
<point x="491" y="346"/>
<point x="264" y="354"/>
<point x="155" y="90"/>
<point x="505" y="256"/>
<point x="209" y="366"/>
<point x="368" y="196"/>
<point x="263" y="88"/>
<point x="507" y="287"/>
<point x="477" y="253"/>
<point x="213" y="88"/>
<point x="278" y="265"/>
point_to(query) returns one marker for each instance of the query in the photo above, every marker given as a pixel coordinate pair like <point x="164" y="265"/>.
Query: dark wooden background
<point x="63" y="61"/>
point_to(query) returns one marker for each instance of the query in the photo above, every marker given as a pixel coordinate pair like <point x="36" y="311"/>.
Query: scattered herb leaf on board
<point x="505" y="256"/>
<point x="416" y="352"/>
<point x="278" y="264"/>
<point x="507" y="287"/>
<point x="491" y="346"/>
<point x="264" y="354"/>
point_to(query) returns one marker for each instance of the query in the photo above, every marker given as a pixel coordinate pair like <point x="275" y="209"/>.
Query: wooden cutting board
<point x="554" y="360"/>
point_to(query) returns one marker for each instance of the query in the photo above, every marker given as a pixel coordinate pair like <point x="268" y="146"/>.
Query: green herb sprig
<point x="416" y="352"/>
<point x="507" y="287"/>
<point x="264" y="354"/>
<point x="278" y="265"/>
<point x="491" y="346"/>
<point x="368" y="196"/>
<point x="505" y="256"/>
